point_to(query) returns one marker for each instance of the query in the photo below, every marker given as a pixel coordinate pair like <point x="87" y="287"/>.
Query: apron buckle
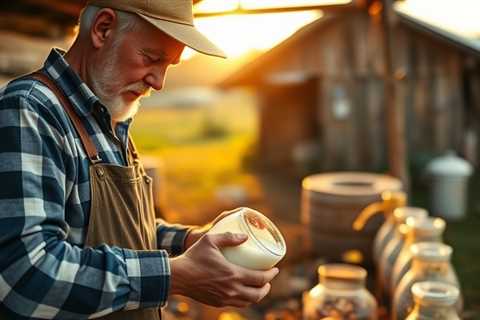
<point x="96" y="159"/>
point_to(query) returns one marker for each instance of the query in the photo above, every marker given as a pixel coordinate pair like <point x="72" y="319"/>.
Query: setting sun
<point x="239" y="34"/>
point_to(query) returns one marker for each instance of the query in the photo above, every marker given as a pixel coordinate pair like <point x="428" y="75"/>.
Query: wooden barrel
<point x="330" y="204"/>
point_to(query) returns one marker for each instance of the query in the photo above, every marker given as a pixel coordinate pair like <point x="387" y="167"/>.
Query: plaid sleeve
<point x="171" y="237"/>
<point x="41" y="274"/>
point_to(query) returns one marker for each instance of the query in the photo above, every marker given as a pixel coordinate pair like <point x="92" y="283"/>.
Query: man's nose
<point x="156" y="79"/>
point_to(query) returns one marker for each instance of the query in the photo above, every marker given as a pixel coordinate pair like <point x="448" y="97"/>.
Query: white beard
<point x="102" y="84"/>
<point x="119" y="110"/>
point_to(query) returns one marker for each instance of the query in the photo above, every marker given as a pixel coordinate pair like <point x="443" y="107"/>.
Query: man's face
<point x="130" y="66"/>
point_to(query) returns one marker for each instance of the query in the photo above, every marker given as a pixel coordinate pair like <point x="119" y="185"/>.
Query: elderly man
<point x="78" y="234"/>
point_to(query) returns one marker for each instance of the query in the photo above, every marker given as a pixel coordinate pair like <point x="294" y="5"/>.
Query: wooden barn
<point x="321" y="93"/>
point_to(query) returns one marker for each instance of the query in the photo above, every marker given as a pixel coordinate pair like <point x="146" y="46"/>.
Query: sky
<point x="456" y="16"/>
<point x="239" y="34"/>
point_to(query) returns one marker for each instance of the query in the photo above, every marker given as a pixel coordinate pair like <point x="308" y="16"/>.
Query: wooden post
<point x="395" y="109"/>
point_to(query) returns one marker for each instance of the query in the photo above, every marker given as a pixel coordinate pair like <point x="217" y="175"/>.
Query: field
<point x="201" y="150"/>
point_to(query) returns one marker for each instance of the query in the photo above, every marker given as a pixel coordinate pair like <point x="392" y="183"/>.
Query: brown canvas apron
<point x="122" y="212"/>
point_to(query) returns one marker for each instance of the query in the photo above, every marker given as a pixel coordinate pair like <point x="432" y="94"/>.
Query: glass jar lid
<point x="426" y="226"/>
<point x="263" y="231"/>
<point x="402" y="213"/>
<point x="431" y="251"/>
<point x="435" y="293"/>
<point x="342" y="271"/>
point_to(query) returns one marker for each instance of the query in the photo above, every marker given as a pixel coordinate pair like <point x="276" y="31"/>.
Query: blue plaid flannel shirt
<point x="45" y="270"/>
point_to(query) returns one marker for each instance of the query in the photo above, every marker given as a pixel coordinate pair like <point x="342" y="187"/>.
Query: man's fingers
<point x="262" y="293"/>
<point x="254" y="295"/>
<point x="265" y="290"/>
<point x="258" y="278"/>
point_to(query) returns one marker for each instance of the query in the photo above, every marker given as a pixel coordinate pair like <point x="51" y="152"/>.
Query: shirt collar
<point x="77" y="91"/>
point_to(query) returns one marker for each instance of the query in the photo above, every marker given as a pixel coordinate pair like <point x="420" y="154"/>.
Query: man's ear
<point x="102" y="26"/>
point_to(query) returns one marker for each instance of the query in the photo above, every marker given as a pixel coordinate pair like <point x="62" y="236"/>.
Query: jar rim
<point x="431" y="251"/>
<point x="435" y="292"/>
<point x="342" y="271"/>
<point x="253" y="221"/>
<point x="402" y="213"/>
<point x="426" y="225"/>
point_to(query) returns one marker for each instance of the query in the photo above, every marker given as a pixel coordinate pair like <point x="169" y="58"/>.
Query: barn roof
<point x="245" y="73"/>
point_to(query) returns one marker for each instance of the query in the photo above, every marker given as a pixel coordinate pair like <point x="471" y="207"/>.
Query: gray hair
<point x="126" y="21"/>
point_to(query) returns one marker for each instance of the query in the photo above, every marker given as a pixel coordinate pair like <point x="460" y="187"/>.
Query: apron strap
<point x="133" y="154"/>
<point x="77" y="122"/>
<point x="132" y="148"/>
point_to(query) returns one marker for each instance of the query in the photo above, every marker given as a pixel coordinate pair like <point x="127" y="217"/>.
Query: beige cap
<point x="174" y="17"/>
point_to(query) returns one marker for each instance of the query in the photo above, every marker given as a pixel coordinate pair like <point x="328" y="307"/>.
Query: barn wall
<point x="287" y="122"/>
<point x="347" y="56"/>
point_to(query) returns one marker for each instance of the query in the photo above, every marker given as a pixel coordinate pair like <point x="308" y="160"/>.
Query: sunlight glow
<point x="222" y="5"/>
<point x="257" y="4"/>
<point x="238" y="34"/>
<point x="456" y="16"/>
<point x="215" y="6"/>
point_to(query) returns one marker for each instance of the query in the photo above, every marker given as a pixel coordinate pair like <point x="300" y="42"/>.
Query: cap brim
<point x="187" y="35"/>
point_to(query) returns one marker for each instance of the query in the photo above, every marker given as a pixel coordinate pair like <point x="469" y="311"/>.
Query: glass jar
<point x="431" y="262"/>
<point x="424" y="229"/>
<point x="390" y="201"/>
<point x="340" y="294"/>
<point x="434" y="301"/>
<point x="393" y="247"/>
<point x="265" y="245"/>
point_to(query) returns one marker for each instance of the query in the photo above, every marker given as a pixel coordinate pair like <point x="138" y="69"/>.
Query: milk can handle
<point x="390" y="201"/>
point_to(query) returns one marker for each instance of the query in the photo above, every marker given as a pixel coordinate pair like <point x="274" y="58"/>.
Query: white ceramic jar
<point x="393" y="247"/>
<point x="265" y="245"/>
<point x="431" y="262"/>
<point x="434" y="301"/>
<point x="424" y="229"/>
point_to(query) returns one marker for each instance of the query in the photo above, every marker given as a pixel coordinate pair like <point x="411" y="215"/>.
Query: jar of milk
<point x="265" y="245"/>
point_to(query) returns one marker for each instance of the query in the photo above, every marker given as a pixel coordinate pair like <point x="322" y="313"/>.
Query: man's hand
<point x="203" y="273"/>
<point x="197" y="232"/>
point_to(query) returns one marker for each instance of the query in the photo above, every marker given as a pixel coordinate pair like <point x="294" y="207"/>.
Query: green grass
<point x="156" y="129"/>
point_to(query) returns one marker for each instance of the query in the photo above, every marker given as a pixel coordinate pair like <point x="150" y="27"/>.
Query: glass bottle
<point x="340" y="294"/>
<point x="265" y="245"/>
<point x="434" y="301"/>
<point x="431" y="262"/>
<point x="393" y="247"/>
<point x="390" y="201"/>
<point x="424" y="229"/>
